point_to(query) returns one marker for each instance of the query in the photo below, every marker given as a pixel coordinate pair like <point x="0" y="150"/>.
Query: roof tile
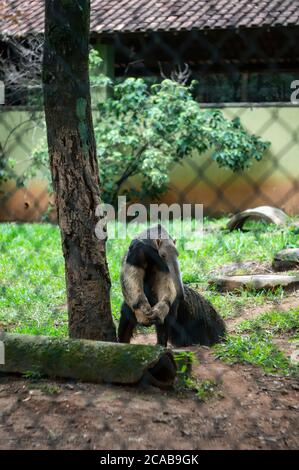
<point x="21" y="18"/>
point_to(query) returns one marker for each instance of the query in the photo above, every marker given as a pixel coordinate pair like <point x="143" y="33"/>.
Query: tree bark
<point x="74" y="167"/>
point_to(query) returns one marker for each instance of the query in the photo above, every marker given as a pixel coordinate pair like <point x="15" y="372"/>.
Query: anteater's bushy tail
<point x="197" y="322"/>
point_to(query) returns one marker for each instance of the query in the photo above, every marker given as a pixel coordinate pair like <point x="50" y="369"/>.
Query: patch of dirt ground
<point x="246" y="410"/>
<point x="289" y="301"/>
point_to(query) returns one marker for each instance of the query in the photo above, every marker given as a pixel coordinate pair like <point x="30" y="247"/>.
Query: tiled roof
<point x="108" y="16"/>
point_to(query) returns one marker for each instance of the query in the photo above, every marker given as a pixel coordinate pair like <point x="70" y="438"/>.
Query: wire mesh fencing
<point x="248" y="75"/>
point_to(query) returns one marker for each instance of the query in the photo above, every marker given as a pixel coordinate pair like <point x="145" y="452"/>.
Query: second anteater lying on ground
<point x="154" y="294"/>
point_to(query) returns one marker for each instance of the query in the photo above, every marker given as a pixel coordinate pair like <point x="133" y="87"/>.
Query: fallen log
<point x="90" y="361"/>
<point x="255" y="281"/>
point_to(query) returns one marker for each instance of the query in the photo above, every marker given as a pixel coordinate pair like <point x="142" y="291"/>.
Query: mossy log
<point x="90" y="361"/>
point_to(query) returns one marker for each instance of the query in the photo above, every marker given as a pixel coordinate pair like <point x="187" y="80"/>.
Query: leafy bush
<point x="145" y="129"/>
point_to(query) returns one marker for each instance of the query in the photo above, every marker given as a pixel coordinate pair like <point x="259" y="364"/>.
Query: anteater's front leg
<point x="132" y="278"/>
<point x="165" y="292"/>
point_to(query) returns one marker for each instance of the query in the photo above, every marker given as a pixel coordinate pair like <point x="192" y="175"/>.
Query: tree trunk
<point x="74" y="167"/>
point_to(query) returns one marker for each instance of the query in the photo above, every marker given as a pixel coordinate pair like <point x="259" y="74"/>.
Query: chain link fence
<point x="249" y="75"/>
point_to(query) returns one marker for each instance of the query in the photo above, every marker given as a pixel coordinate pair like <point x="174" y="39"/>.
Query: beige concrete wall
<point x="274" y="180"/>
<point x="20" y="134"/>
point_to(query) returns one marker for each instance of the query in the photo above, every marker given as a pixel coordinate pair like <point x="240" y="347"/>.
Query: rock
<point x="185" y="433"/>
<point x="286" y="259"/>
<point x="273" y="215"/>
<point x="161" y="420"/>
<point x="69" y="386"/>
<point x="257" y="281"/>
<point x="295" y="357"/>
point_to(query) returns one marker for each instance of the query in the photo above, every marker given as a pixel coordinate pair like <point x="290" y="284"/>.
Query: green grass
<point x="274" y="322"/>
<point x="231" y="304"/>
<point x="257" y="349"/>
<point x="32" y="284"/>
<point x="254" y="342"/>
<point x="204" y="389"/>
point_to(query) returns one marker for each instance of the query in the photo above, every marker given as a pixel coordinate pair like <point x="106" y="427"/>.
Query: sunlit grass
<point x="253" y="342"/>
<point x="32" y="283"/>
<point x="273" y="321"/>
<point x="255" y="348"/>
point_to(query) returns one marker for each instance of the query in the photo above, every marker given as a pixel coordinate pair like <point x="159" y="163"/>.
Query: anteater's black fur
<point x="194" y="321"/>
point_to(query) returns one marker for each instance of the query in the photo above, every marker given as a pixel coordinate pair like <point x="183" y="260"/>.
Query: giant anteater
<point x="154" y="294"/>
